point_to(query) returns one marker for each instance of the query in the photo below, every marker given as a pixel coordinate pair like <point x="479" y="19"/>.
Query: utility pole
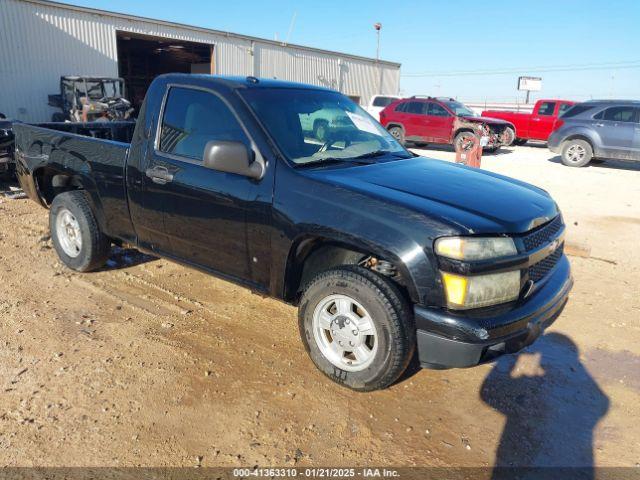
<point x="378" y="27"/>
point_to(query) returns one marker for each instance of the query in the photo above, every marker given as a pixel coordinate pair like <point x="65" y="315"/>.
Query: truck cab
<point x="536" y="125"/>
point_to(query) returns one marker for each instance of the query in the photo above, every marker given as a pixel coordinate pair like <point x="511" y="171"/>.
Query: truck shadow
<point x="125" y="258"/>
<point x="606" y="164"/>
<point x="550" y="415"/>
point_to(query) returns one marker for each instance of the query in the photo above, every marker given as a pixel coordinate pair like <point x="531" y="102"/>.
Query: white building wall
<point x="41" y="41"/>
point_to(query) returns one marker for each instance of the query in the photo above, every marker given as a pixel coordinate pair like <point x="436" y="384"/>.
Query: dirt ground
<point x="151" y="363"/>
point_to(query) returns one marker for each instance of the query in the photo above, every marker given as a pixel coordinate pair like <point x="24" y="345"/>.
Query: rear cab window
<point x="191" y="118"/>
<point x="546" y="108"/>
<point x="563" y="108"/>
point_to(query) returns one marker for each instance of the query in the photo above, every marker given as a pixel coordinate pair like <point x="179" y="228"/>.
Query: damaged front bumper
<point x="455" y="340"/>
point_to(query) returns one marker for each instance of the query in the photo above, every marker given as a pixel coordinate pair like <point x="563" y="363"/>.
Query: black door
<point x="204" y="210"/>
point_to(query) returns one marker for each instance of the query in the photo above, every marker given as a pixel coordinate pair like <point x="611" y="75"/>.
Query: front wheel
<point x="576" y="153"/>
<point x="357" y="328"/>
<point x="509" y="136"/>
<point x="464" y="141"/>
<point x="75" y="233"/>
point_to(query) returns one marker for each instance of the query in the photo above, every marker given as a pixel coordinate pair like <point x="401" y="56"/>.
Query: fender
<point x="590" y="135"/>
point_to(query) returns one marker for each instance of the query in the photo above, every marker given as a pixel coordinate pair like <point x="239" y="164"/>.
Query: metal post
<point x="527" y="102"/>
<point x="378" y="27"/>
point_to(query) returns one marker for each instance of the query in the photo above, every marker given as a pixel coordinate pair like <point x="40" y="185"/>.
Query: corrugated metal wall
<point x="40" y="42"/>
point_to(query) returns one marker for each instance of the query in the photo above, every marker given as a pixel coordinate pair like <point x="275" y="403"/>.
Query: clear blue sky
<point x="438" y="37"/>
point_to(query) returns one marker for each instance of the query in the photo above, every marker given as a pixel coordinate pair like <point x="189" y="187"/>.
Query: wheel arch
<point x="312" y="254"/>
<point x="51" y="181"/>
<point x="390" y="125"/>
<point x="581" y="136"/>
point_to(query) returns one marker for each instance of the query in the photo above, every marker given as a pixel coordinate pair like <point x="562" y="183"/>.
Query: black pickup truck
<point x="382" y="251"/>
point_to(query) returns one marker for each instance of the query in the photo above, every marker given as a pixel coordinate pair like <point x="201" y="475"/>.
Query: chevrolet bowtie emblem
<point x="553" y="246"/>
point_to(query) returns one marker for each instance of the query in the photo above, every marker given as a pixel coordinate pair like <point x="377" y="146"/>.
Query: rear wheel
<point x="75" y="233"/>
<point x="398" y="134"/>
<point x="520" y="141"/>
<point x="576" y="153"/>
<point x="357" y="328"/>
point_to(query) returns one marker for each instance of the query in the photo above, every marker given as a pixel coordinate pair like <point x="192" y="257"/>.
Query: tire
<point x="457" y="141"/>
<point x="70" y="218"/>
<point x="520" y="141"/>
<point x="397" y="133"/>
<point x="57" y="117"/>
<point x="368" y="303"/>
<point x="576" y="153"/>
<point x="509" y="136"/>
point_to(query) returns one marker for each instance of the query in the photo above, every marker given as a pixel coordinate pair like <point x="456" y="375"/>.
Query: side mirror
<point x="231" y="157"/>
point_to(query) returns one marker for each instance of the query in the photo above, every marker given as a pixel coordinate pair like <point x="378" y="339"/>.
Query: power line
<point x="549" y="68"/>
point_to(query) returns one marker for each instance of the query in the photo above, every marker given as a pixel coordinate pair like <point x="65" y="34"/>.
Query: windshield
<point x="313" y="126"/>
<point x="459" y="109"/>
<point x="98" y="90"/>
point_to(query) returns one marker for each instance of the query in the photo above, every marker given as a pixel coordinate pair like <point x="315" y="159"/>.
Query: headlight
<point x="475" y="248"/>
<point x="480" y="290"/>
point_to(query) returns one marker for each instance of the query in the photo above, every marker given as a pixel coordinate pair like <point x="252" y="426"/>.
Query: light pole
<point x="378" y="27"/>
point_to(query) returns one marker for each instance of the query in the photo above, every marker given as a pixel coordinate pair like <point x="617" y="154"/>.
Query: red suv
<point x="423" y="120"/>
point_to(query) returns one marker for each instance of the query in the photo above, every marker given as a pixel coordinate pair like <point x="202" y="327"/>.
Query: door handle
<point x="535" y="119"/>
<point x="599" y="124"/>
<point x="159" y="175"/>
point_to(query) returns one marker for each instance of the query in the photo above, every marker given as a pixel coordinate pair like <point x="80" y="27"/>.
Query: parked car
<point x="382" y="251"/>
<point x="87" y="99"/>
<point x="598" y="129"/>
<point x="378" y="102"/>
<point x="423" y="120"/>
<point x="536" y="125"/>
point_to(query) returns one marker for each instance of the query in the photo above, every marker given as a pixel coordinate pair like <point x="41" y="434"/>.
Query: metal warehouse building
<point x="40" y="41"/>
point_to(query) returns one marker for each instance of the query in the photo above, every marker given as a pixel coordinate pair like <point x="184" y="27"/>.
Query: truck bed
<point x="93" y="154"/>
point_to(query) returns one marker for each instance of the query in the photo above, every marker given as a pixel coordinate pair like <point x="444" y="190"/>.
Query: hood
<point x="488" y="120"/>
<point x="469" y="199"/>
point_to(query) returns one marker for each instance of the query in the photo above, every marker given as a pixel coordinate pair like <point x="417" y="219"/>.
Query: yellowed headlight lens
<point x="455" y="287"/>
<point x="452" y="247"/>
<point x="475" y="248"/>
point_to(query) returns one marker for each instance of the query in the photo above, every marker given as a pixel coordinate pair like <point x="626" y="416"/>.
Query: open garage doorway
<point x="141" y="58"/>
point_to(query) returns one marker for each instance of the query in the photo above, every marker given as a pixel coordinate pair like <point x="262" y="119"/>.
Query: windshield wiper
<point x="320" y="161"/>
<point x="379" y="153"/>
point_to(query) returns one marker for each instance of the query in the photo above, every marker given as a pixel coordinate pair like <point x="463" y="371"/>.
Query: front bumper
<point x="454" y="340"/>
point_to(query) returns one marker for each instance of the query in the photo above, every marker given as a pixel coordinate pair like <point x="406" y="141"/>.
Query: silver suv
<point x="598" y="129"/>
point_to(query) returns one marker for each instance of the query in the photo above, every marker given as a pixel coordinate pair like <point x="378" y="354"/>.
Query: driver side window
<point x="191" y="119"/>
<point x="436" y="110"/>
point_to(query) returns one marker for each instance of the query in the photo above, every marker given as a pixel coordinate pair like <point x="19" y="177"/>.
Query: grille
<point x="543" y="234"/>
<point x="539" y="270"/>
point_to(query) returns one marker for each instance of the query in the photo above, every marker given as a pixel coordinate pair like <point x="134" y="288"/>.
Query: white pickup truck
<point x="378" y="102"/>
